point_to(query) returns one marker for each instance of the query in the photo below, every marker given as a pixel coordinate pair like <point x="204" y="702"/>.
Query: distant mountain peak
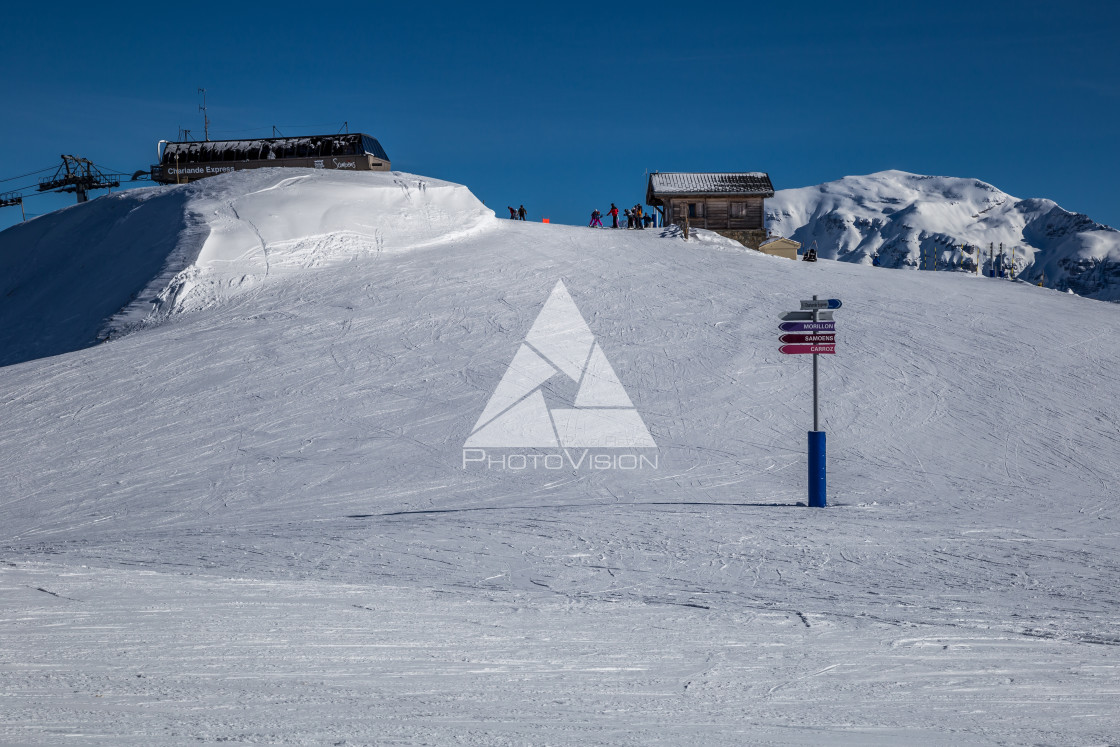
<point x="898" y="219"/>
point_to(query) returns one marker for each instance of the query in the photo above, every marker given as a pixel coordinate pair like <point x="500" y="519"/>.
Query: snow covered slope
<point x="129" y="259"/>
<point x="907" y="220"/>
<point x="254" y="522"/>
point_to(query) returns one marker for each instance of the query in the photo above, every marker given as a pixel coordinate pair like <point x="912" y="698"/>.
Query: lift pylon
<point x="11" y="199"/>
<point x="77" y="175"/>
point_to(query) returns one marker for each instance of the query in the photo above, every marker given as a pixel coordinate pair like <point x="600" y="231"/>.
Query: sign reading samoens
<point x="825" y="339"/>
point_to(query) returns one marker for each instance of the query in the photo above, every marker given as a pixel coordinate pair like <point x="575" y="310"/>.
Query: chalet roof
<point x="755" y="183"/>
<point x="781" y="241"/>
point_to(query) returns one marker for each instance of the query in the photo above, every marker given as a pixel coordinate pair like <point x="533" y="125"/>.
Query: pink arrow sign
<point x="822" y="339"/>
<point x="806" y="349"/>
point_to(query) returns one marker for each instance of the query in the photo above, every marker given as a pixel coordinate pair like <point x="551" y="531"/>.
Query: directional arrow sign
<point x="804" y="349"/>
<point x="825" y="339"/>
<point x="805" y="316"/>
<point x="808" y="327"/>
<point x="824" y="303"/>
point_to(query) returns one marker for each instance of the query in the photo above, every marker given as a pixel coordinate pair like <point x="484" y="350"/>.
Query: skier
<point x="638" y="216"/>
<point x="629" y="218"/>
<point x="595" y="221"/>
<point x="613" y="213"/>
<point x="512" y="213"/>
<point x="521" y="212"/>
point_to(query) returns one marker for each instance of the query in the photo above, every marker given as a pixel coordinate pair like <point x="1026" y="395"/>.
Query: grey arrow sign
<point x="805" y="316"/>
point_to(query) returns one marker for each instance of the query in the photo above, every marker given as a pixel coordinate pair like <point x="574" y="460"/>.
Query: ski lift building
<point x="731" y="204"/>
<point x="187" y="161"/>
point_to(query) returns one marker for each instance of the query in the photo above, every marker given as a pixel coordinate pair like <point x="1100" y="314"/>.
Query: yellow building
<point x="779" y="246"/>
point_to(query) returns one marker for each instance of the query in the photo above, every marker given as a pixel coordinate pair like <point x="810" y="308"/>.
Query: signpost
<point x="814" y="335"/>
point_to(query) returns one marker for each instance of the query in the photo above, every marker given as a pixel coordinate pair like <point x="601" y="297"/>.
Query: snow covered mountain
<point x="908" y="220"/>
<point x="249" y="514"/>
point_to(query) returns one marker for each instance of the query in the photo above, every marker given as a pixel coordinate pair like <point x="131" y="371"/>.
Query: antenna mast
<point x="205" y="118"/>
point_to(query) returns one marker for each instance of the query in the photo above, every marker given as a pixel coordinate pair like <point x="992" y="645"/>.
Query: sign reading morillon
<point x="187" y="161"/>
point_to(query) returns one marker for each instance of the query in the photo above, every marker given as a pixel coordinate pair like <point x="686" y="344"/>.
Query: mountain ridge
<point x="898" y="219"/>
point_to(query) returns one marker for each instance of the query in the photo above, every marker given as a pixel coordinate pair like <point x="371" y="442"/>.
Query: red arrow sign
<point x="814" y="339"/>
<point x="804" y="349"/>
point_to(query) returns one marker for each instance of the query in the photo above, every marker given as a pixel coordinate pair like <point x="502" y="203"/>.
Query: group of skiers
<point x="635" y="218"/>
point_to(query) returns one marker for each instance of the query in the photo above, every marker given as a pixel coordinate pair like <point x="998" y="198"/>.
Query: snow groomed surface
<point x="249" y="519"/>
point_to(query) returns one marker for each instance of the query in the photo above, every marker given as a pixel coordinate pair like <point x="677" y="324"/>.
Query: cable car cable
<point x="30" y="173"/>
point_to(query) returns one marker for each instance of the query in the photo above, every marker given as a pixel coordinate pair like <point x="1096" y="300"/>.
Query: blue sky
<point x="564" y="108"/>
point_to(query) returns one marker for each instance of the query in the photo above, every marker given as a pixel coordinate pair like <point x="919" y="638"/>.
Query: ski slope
<point x="246" y="516"/>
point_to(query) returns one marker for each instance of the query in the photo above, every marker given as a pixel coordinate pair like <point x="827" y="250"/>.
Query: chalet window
<point x="738" y="210"/>
<point x="695" y="210"/>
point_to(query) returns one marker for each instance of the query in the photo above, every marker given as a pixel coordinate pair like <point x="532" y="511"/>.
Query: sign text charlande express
<point x="201" y="169"/>
<point x="318" y="163"/>
<point x="558" y="460"/>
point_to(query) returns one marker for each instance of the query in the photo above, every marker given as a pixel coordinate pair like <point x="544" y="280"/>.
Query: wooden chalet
<point x="731" y="204"/>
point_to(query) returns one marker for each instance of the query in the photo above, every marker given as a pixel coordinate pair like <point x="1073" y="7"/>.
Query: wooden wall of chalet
<point x="717" y="212"/>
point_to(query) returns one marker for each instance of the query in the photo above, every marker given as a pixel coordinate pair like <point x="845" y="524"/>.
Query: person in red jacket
<point x="613" y="213"/>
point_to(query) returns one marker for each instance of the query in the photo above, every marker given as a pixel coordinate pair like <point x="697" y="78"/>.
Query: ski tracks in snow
<point x="264" y="503"/>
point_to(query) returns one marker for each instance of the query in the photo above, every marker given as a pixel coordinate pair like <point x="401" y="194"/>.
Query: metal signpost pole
<point x="816" y="399"/>
<point x="817" y="476"/>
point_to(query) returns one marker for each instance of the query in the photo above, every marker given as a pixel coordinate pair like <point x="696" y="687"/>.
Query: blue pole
<point x="818" y="481"/>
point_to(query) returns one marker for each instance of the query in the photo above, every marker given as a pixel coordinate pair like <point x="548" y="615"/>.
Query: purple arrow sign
<point x="824" y="339"/>
<point x="807" y="326"/>
<point x="804" y="349"/>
